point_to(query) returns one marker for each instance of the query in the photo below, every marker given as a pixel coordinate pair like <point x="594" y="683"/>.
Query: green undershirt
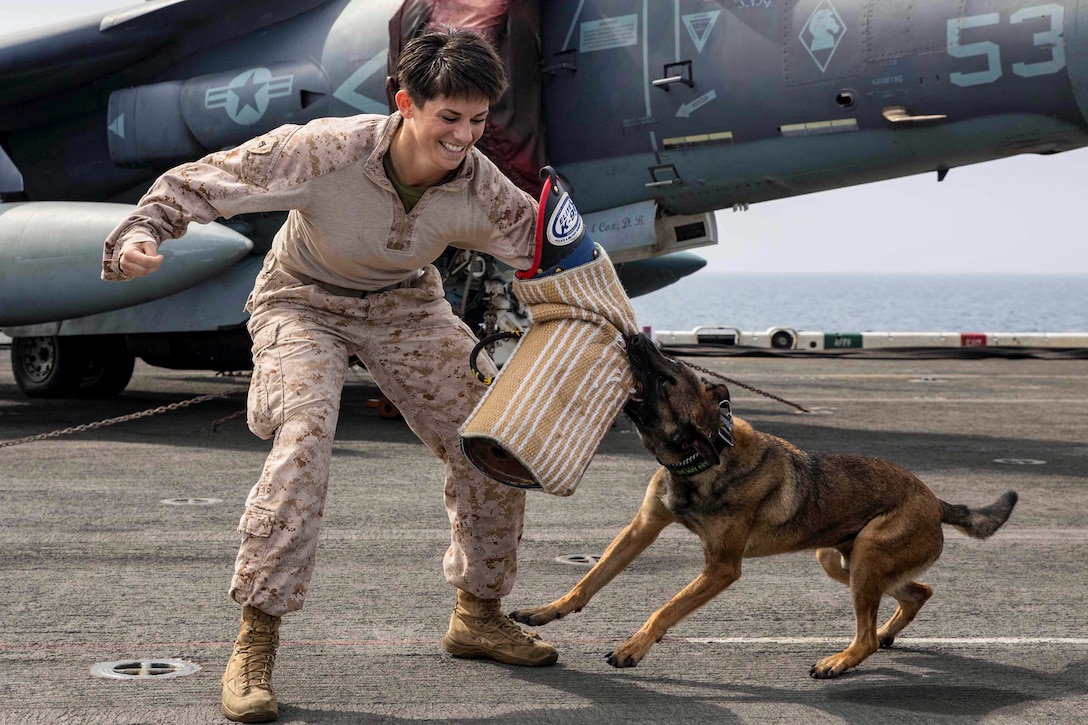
<point x="409" y="195"/>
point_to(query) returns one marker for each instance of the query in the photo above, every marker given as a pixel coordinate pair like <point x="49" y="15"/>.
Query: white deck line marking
<point x="909" y="398"/>
<point x="902" y="641"/>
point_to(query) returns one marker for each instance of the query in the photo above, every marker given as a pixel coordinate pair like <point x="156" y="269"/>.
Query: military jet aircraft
<point x="656" y="113"/>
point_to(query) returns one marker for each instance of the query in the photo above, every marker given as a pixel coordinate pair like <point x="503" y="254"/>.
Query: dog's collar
<point x="697" y="463"/>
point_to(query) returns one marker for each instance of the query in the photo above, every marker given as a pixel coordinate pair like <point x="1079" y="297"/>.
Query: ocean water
<point x="870" y="303"/>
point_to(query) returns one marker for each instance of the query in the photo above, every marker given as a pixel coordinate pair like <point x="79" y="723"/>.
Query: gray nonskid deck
<point x="95" y="567"/>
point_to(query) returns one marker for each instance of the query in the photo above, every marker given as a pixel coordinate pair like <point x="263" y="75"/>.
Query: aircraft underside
<point x="656" y="115"/>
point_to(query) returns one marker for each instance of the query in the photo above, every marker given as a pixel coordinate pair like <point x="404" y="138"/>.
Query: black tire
<point x="48" y="367"/>
<point x="108" y="367"/>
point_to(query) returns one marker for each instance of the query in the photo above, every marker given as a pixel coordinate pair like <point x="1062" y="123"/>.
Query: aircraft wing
<point x="42" y="63"/>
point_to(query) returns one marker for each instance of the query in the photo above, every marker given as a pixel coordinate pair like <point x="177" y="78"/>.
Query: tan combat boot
<point x="247" y="682"/>
<point x="479" y="629"/>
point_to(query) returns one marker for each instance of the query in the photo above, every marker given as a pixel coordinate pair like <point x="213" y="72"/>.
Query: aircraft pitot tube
<point x="562" y="240"/>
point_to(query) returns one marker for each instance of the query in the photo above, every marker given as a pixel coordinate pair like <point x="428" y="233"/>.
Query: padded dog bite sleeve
<point x="544" y="416"/>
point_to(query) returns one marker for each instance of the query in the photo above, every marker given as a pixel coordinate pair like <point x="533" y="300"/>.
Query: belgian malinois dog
<point x="874" y="525"/>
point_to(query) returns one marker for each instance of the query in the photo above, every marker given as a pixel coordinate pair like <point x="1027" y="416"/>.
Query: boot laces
<point x="258" y="654"/>
<point x="509" y="626"/>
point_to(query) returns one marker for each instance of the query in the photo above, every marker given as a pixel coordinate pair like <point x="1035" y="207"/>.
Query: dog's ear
<point x="705" y="448"/>
<point x="717" y="391"/>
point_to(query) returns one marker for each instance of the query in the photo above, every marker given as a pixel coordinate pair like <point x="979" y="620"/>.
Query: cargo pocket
<point x="264" y="406"/>
<point x="257" y="521"/>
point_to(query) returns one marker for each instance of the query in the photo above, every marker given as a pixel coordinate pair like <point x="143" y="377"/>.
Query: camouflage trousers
<point x="417" y="351"/>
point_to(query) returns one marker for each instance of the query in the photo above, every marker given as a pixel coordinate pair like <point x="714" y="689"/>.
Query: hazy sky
<point x="1015" y="215"/>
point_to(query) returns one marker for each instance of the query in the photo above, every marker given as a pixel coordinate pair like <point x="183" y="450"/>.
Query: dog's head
<point x="683" y="421"/>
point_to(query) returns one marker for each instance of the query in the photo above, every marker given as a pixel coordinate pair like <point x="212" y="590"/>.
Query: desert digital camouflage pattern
<point x="347" y="231"/>
<point x="417" y="350"/>
<point x="346" y="224"/>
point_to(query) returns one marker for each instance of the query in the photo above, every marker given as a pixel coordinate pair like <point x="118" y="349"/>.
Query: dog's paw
<point x="828" y="668"/>
<point x="631" y="652"/>
<point x="535" y="616"/>
<point x="620" y="661"/>
<point x="886" y="641"/>
<point x="817" y="673"/>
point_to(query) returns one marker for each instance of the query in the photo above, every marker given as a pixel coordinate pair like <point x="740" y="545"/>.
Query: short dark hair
<point x="454" y="63"/>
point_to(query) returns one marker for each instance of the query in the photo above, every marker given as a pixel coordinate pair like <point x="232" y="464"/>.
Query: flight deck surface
<point x="118" y="544"/>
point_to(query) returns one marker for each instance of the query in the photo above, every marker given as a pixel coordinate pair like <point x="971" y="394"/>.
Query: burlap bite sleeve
<point x="544" y="416"/>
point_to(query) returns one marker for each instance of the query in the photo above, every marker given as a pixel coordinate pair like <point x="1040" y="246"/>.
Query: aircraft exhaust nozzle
<point x="51" y="261"/>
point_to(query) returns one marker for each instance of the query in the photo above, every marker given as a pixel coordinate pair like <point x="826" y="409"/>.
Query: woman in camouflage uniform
<point x="372" y="201"/>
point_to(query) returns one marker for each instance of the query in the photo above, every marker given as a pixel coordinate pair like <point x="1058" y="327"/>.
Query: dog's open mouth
<point x="635" y="403"/>
<point x="638" y="355"/>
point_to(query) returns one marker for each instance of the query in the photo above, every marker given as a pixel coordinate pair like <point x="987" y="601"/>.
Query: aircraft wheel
<point x="48" y="367"/>
<point x="107" y="368"/>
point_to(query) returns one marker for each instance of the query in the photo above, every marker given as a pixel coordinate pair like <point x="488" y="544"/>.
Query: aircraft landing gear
<point x="108" y="367"/>
<point x="68" y="366"/>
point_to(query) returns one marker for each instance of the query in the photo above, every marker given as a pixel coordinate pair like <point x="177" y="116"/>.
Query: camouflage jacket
<point x="346" y="225"/>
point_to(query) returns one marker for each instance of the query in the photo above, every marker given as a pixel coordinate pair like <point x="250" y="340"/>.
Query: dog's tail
<point x="980" y="523"/>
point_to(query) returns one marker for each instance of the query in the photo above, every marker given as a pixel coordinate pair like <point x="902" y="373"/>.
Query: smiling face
<point x="435" y="136"/>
